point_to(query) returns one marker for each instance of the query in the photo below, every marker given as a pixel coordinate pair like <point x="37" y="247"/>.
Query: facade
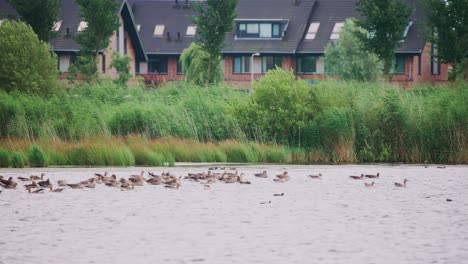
<point x="290" y="34"/>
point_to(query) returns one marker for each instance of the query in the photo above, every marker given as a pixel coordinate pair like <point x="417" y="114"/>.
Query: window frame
<point x="243" y="60"/>
<point x="275" y="29"/>
<point x="162" y="60"/>
<point x="277" y="61"/>
<point x="300" y="65"/>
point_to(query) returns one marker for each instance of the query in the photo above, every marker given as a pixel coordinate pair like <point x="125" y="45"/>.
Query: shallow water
<point x="332" y="220"/>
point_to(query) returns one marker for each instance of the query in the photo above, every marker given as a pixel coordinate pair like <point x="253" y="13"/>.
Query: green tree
<point x="348" y="59"/>
<point x="447" y="29"/>
<point x="195" y="62"/>
<point x="213" y="20"/>
<point x="41" y="15"/>
<point x="27" y="63"/>
<point x="384" y="22"/>
<point x="103" y="20"/>
<point x="122" y="66"/>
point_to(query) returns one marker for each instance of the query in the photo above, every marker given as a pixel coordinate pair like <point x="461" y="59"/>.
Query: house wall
<point x="64" y="62"/>
<point x="111" y="72"/>
<point x="158" y="78"/>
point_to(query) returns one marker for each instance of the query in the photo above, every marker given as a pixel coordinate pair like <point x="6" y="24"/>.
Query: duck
<point x="242" y="180"/>
<point x="318" y="176"/>
<point x="372" y="175"/>
<point x="354" y="177"/>
<point x="369" y="184"/>
<point x="8" y="184"/>
<point x="261" y="174"/>
<point x="35" y="177"/>
<point x="127" y="187"/>
<point x="397" y="184"/>
<point x="156" y="180"/>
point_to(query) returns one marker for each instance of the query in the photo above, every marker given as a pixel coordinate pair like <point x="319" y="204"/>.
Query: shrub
<point x="28" y="63"/>
<point x="122" y="66"/>
<point x="17" y="160"/>
<point x="4" y="158"/>
<point x="37" y="157"/>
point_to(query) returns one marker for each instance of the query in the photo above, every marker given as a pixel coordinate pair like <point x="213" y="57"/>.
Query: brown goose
<point x="397" y="184"/>
<point x="32" y="185"/>
<point x="261" y="174"/>
<point x="61" y="183"/>
<point x="283" y="177"/>
<point x="24" y="179"/>
<point x="55" y="190"/>
<point x="372" y="175"/>
<point x="36" y="191"/>
<point x="8" y="184"/>
<point x="318" y="176"/>
<point x="75" y="185"/>
<point x="45" y="184"/>
<point x="354" y="177"/>
<point x="35" y="177"/>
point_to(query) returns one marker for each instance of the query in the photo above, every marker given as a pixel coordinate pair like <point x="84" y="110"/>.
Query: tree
<point x="195" y="64"/>
<point x="213" y="20"/>
<point x="384" y="22"/>
<point x="103" y="20"/>
<point x="41" y="15"/>
<point x="27" y="63"/>
<point x="447" y="29"/>
<point x="347" y="57"/>
<point x="122" y="66"/>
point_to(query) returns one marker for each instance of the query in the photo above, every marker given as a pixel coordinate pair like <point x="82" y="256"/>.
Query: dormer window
<point x="336" y="30"/>
<point x="191" y="30"/>
<point x="83" y="25"/>
<point x="260" y="29"/>
<point x="57" y="26"/>
<point x="313" y="29"/>
<point x="158" y="31"/>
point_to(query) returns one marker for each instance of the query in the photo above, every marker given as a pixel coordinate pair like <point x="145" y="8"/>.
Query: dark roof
<point x="6" y="10"/>
<point x="297" y="15"/>
<point x="328" y="12"/>
<point x="148" y="14"/>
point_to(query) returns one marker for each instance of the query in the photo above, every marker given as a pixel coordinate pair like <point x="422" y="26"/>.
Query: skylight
<point x="336" y="30"/>
<point x="312" y="32"/>
<point x="405" y="33"/>
<point x="57" y="26"/>
<point x="83" y="25"/>
<point x="138" y="27"/>
<point x="158" y="30"/>
<point x="191" y="31"/>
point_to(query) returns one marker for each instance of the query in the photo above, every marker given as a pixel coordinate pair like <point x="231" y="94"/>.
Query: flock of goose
<point x="37" y="184"/>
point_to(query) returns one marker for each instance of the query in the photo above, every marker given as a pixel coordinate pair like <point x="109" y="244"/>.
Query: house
<point x="125" y="40"/>
<point x="290" y="34"/>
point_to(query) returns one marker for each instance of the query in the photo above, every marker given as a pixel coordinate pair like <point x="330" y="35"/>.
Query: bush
<point x="27" y="63"/>
<point x="37" y="157"/>
<point x="17" y="160"/>
<point x="122" y="66"/>
<point x="4" y="158"/>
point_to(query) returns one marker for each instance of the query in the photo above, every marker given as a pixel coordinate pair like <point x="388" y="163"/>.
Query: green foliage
<point x="447" y="28"/>
<point x="195" y="64"/>
<point x="99" y="154"/>
<point x="37" y="157"/>
<point x="84" y="67"/>
<point x="122" y="66"/>
<point x="347" y="57"/>
<point x="103" y="20"/>
<point x="17" y="160"/>
<point x="27" y="63"/>
<point x="4" y="158"/>
<point x="384" y="23"/>
<point x="281" y="106"/>
<point x="41" y="15"/>
<point x="213" y="19"/>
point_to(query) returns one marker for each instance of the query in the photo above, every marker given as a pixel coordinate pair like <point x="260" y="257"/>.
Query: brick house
<point x="291" y="34"/>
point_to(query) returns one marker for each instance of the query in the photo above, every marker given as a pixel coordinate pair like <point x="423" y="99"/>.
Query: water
<point x="332" y="220"/>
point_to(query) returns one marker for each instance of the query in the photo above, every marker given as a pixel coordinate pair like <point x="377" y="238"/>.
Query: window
<point x="270" y="62"/>
<point x="83" y="25"/>
<point x="399" y="65"/>
<point x="57" y="26"/>
<point x="241" y="64"/>
<point x="191" y="30"/>
<point x="312" y="32"/>
<point x="138" y="28"/>
<point x="158" y="31"/>
<point x="180" y="71"/>
<point x="306" y="64"/>
<point x="336" y="30"/>
<point x="157" y="65"/>
<point x="258" y="30"/>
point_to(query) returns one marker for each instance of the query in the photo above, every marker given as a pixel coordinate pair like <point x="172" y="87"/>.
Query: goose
<point x="157" y="180"/>
<point x="101" y="175"/>
<point x="138" y="176"/>
<point x="279" y="180"/>
<point x="369" y="184"/>
<point x="32" y="185"/>
<point x="90" y="185"/>
<point x="35" y="177"/>
<point x="8" y="184"/>
<point x="397" y="184"/>
<point x="232" y="179"/>
<point x="372" y="176"/>
<point x="44" y="184"/>
<point x="75" y="185"/>
<point x="269" y="202"/>
<point x="283" y="176"/>
<point x="127" y="187"/>
<point x="354" y="177"/>
<point x="316" y="176"/>
<point x="278" y="194"/>
<point x="24" y="179"/>
<point x="55" y="190"/>
<point x="61" y="183"/>
<point x="172" y="185"/>
<point x="261" y="174"/>
<point x="36" y="191"/>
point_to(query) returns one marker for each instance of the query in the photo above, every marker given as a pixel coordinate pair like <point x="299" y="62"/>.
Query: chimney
<point x="67" y="34"/>
<point x="168" y="36"/>
<point x="178" y="36"/>
<point x="176" y="5"/>
<point x="186" y="4"/>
